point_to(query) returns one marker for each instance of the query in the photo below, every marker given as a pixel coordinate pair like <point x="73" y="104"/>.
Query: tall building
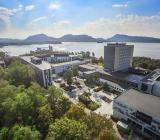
<point x="118" y="56"/>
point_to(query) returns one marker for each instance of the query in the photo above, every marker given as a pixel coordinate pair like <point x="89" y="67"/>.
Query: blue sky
<point x="99" y="18"/>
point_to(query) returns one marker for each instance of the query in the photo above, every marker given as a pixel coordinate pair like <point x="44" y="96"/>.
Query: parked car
<point x="59" y="80"/>
<point x="63" y="85"/>
<point x="75" y="90"/>
<point x="79" y="86"/>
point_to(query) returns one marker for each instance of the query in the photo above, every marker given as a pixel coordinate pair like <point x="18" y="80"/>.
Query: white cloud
<point x="103" y="27"/>
<point x="6" y="13"/>
<point x="20" y="5"/>
<point x="62" y="22"/>
<point x="122" y="24"/>
<point x="29" y="7"/>
<point x="120" y="5"/>
<point x="9" y="12"/>
<point x="37" y="20"/>
<point x="54" y="6"/>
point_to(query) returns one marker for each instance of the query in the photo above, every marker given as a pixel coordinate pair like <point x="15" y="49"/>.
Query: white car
<point x="58" y="80"/>
<point x="74" y="90"/>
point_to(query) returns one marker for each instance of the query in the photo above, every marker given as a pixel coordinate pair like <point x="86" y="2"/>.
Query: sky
<point x="98" y="18"/>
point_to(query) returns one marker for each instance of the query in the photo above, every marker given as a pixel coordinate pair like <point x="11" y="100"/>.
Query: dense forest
<point x="146" y="63"/>
<point x="30" y="112"/>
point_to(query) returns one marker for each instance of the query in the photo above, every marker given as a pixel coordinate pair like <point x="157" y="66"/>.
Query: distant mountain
<point x="44" y="39"/>
<point x="34" y="39"/>
<point x="126" y="38"/>
<point x="7" y="40"/>
<point x="39" y="38"/>
<point x="77" y="38"/>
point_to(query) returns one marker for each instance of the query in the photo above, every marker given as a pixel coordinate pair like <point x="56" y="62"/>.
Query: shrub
<point x="97" y="89"/>
<point x="84" y="99"/>
<point x="93" y="106"/>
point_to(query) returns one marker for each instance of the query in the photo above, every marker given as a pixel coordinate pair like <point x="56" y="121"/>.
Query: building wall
<point x="43" y="77"/>
<point x="117" y="59"/>
<point x="122" y="112"/>
<point x="109" y="58"/>
<point x="156" y="89"/>
<point x="118" y="56"/>
<point x="125" y="57"/>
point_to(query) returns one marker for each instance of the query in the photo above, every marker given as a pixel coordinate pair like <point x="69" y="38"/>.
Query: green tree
<point x="62" y="105"/>
<point x="19" y="74"/>
<point x="75" y="71"/>
<point x="2" y="55"/>
<point x="83" y="54"/>
<point x="6" y="90"/>
<point x="54" y="94"/>
<point x="19" y="109"/>
<point x="68" y="76"/>
<point x="87" y="54"/>
<point x="101" y="60"/>
<point x="44" y="118"/>
<point x="4" y="133"/>
<point x="66" y="129"/>
<point x="93" y="54"/>
<point x="105" y="87"/>
<point x="9" y="112"/>
<point x="19" y="132"/>
<point x="76" y="113"/>
<point x="107" y="135"/>
<point x="2" y="73"/>
<point x="36" y="95"/>
<point x="96" y="123"/>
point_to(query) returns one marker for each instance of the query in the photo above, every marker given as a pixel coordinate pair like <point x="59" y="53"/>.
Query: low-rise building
<point x="140" y="111"/>
<point x="151" y="83"/>
<point x="58" y="57"/>
<point x="42" y="70"/>
<point x="61" y="67"/>
<point x="46" y="72"/>
<point x="119" y="81"/>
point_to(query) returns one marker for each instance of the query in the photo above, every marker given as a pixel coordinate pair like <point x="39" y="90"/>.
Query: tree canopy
<point x="68" y="76"/>
<point x="66" y="129"/>
<point x="146" y="63"/>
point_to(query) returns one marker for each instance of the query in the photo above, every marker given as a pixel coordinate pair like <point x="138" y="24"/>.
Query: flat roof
<point x="102" y="71"/>
<point x="66" y="63"/>
<point x="113" y="84"/>
<point x="128" y="76"/>
<point x="137" y="100"/>
<point x="43" y="66"/>
<point x="88" y="66"/>
<point x="90" y="72"/>
<point x="153" y="76"/>
<point x="118" y="45"/>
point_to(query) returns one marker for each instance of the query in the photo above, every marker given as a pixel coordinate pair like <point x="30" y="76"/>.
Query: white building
<point x="118" y="56"/>
<point x="42" y="70"/>
<point x="46" y="72"/>
<point x="59" y="68"/>
<point x="139" y="110"/>
<point x="151" y="83"/>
